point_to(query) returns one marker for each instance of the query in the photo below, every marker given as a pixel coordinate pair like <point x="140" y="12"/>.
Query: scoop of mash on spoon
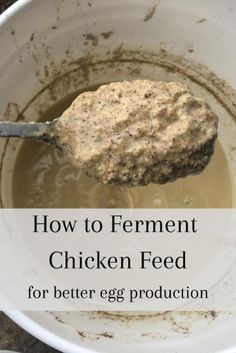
<point x="131" y="132"/>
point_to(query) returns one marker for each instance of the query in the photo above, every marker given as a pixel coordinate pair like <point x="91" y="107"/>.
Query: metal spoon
<point x="44" y="132"/>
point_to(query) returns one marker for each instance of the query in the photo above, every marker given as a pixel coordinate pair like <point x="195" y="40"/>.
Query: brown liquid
<point x="44" y="178"/>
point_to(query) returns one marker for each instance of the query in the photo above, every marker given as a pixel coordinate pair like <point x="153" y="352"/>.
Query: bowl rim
<point x="44" y="335"/>
<point x="13" y="9"/>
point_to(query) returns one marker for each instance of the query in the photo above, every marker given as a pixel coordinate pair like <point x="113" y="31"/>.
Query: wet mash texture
<point x="138" y="132"/>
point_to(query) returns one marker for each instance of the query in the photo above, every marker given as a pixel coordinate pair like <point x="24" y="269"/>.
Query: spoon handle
<point x="39" y="131"/>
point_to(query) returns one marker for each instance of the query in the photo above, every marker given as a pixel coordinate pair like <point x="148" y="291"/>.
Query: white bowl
<point x="42" y="41"/>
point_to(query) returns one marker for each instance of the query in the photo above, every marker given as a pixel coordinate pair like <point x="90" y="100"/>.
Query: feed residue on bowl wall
<point x="151" y="11"/>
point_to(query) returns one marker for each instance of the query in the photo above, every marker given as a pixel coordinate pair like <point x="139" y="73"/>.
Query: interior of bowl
<point x="53" y="50"/>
